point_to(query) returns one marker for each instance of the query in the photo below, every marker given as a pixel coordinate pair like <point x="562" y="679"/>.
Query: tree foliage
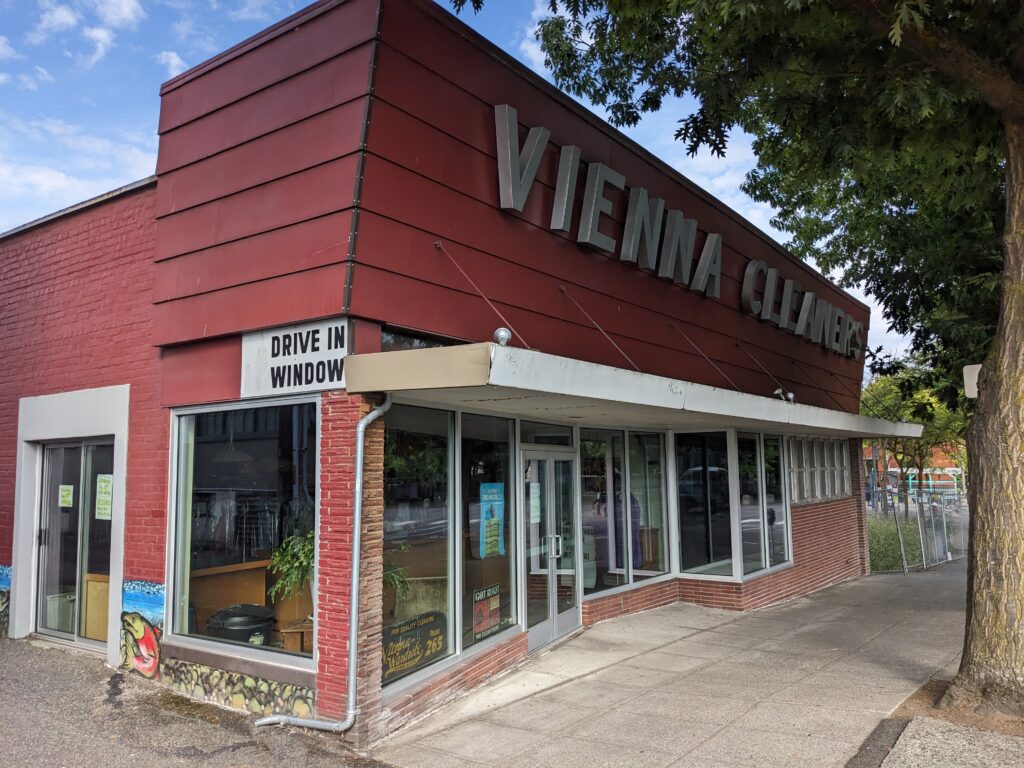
<point x="885" y="164"/>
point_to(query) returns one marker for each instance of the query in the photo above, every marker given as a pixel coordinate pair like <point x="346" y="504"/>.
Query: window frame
<point x="263" y="655"/>
<point x="834" y="468"/>
<point x="454" y="524"/>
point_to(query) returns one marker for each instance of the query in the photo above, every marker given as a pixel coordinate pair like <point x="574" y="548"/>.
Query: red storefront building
<point x="393" y="306"/>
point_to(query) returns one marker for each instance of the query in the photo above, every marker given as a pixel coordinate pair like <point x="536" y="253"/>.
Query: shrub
<point x="884" y="544"/>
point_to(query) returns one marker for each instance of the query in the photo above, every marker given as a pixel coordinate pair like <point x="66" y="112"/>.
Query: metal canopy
<point x="545" y="387"/>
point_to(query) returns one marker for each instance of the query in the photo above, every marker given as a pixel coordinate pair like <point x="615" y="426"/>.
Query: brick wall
<point x="76" y="313"/>
<point x="452" y="683"/>
<point x="340" y="415"/>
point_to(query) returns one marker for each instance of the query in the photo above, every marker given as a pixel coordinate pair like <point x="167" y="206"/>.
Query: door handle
<point x="556" y="546"/>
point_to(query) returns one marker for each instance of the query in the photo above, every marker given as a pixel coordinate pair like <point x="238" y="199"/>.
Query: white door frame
<point x="82" y="414"/>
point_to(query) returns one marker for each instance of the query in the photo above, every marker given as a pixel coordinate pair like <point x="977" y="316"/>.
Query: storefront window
<point x="604" y="511"/>
<point x="488" y="567"/>
<point x="775" y="502"/>
<point x="246" y="502"/>
<point x="417" y="540"/>
<point x="647" y="487"/>
<point x="751" y="524"/>
<point x="702" y="478"/>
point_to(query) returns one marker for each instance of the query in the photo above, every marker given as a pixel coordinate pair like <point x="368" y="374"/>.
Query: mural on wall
<point x="140" y="645"/>
<point x="236" y="690"/>
<point x="141" y="633"/>
<point x="5" y="598"/>
<point x="142" y="605"/>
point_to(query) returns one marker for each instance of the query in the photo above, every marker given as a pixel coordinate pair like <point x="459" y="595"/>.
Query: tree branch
<point x="950" y="57"/>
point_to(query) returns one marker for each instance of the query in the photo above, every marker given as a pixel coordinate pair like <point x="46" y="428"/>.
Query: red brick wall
<point x="76" y="313"/>
<point x="340" y="414"/>
<point x="442" y="688"/>
<point x="630" y="601"/>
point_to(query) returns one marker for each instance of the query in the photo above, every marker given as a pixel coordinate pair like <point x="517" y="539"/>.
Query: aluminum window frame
<point x="264" y="655"/>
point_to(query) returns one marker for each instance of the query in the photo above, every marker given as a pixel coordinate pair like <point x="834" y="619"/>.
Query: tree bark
<point x="993" y="658"/>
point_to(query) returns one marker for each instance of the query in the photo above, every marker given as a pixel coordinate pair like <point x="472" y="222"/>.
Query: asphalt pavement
<point x="63" y="709"/>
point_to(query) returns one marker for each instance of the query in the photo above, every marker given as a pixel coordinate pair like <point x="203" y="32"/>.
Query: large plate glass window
<point x="777" y="522"/>
<point x="646" y="492"/>
<point x="417" y="575"/>
<point x="702" y="485"/>
<point x="488" y="564"/>
<point x="246" y="522"/>
<point x="751" y="516"/>
<point x="603" y="504"/>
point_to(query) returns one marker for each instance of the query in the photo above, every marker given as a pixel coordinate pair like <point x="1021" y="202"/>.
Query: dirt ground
<point x="925" y="702"/>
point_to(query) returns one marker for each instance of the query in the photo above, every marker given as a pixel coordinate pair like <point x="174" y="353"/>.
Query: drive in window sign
<point x="296" y="358"/>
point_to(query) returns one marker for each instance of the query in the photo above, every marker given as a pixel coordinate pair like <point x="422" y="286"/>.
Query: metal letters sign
<point x="661" y="241"/>
<point x="297" y="358"/>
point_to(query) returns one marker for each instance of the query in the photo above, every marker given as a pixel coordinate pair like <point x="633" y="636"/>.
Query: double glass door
<point x="552" y="566"/>
<point x="74" y="541"/>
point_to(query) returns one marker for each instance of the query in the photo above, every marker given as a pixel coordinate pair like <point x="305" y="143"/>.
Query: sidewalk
<point x="801" y="684"/>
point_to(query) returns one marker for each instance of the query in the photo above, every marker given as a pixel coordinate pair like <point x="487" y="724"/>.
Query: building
<point x="346" y="207"/>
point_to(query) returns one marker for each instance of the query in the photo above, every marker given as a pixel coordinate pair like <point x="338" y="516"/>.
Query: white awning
<point x="543" y="387"/>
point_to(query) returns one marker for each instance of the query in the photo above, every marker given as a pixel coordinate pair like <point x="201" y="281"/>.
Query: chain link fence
<point x="916" y="529"/>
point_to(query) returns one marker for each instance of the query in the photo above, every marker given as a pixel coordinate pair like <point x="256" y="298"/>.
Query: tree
<point x="891" y="135"/>
<point x="907" y="396"/>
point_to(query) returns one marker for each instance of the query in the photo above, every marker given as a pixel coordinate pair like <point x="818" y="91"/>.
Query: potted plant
<point x="292" y="564"/>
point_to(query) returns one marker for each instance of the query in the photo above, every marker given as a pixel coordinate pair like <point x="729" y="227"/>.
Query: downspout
<point x="335" y="726"/>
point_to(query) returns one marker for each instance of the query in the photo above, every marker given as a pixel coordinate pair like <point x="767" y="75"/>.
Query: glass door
<point x="551" y="566"/>
<point x="74" y="541"/>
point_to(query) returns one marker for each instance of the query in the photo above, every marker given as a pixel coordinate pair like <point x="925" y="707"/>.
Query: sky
<point x="79" y="98"/>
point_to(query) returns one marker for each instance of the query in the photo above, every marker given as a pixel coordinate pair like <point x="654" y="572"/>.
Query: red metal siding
<point x="431" y="173"/>
<point x="257" y="178"/>
<point x="77" y="314"/>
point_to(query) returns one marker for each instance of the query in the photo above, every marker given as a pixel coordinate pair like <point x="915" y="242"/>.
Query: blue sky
<point x="79" y="96"/>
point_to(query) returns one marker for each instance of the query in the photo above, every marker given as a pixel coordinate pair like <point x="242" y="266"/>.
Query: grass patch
<point x="884" y="544"/>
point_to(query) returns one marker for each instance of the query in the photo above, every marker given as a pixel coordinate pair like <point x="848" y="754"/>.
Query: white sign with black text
<point x="296" y="358"/>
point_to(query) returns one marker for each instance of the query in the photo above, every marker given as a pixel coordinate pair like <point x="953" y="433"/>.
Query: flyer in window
<point x="492" y="520"/>
<point x="104" y="496"/>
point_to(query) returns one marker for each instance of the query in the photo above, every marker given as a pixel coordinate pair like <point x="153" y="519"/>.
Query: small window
<point x="544" y="434"/>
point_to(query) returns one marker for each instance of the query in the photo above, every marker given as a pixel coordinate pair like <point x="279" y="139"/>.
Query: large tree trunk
<point x="993" y="659"/>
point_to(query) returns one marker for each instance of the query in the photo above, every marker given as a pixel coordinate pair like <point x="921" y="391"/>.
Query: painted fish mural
<point x="140" y="645"/>
<point x="5" y="603"/>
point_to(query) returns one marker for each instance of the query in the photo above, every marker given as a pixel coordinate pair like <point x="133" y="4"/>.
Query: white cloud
<point x="119" y="13"/>
<point x="197" y="40"/>
<point x="54" y="18"/>
<point x="173" y="62"/>
<point x="4" y="78"/>
<point x="102" y="40"/>
<point x="6" y="51"/>
<point x="43" y="75"/>
<point x="28" y="83"/>
<point x="252" y="10"/>
<point x="47" y="164"/>
<point x="529" y="47"/>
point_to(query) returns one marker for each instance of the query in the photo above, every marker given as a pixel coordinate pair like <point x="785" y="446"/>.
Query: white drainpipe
<point x="336" y="726"/>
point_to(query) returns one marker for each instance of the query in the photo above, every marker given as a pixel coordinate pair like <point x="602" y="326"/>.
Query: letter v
<point x="516" y="170"/>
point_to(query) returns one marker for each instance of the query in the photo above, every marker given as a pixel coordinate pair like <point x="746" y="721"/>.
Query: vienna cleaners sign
<point x="297" y="358"/>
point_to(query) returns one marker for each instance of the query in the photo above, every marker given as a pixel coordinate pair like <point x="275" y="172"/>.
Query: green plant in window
<point x="292" y="563"/>
<point x="395" y="577"/>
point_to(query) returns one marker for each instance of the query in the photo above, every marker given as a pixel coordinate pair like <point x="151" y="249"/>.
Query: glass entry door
<point x="74" y="541"/>
<point x="551" y="567"/>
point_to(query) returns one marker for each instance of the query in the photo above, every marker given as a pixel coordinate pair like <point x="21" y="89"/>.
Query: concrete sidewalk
<point x="800" y="684"/>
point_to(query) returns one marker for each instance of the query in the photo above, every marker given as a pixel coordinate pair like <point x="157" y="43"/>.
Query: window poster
<point x="65" y="496"/>
<point x="486" y="611"/>
<point x="414" y="643"/>
<point x="492" y="520"/>
<point x="104" y="496"/>
<point x="535" y="515"/>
